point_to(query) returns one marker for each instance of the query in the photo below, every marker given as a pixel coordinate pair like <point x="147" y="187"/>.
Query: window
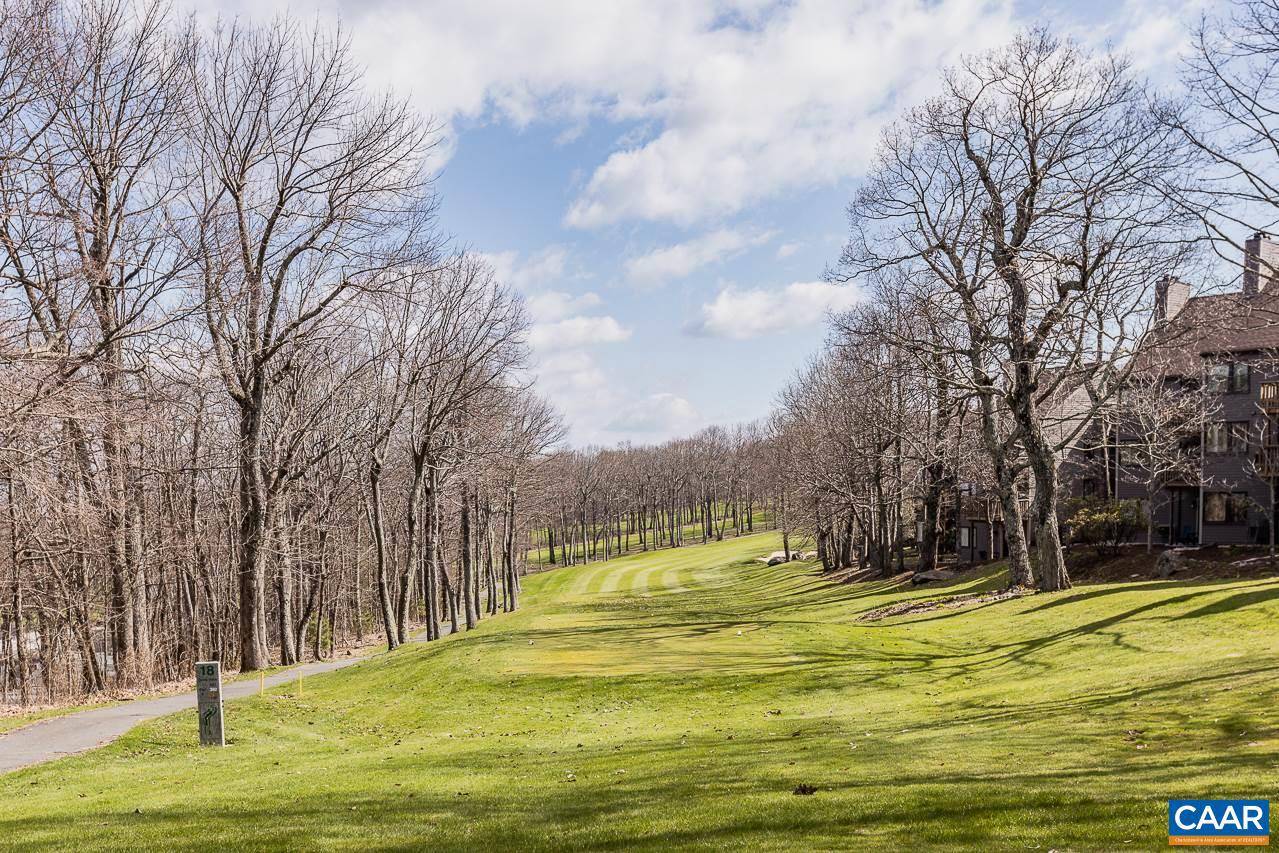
<point x="1130" y="454"/>
<point x="1226" y="437"/>
<point x="1215" y="437"/>
<point x="1230" y="377"/>
<point x="1270" y="429"/>
<point x="965" y="537"/>
<point x="1218" y="377"/>
<point x="1226" y="508"/>
<point x="1240" y="379"/>
<point x="1215" y="504"/>
<point x="1239" y="437"/>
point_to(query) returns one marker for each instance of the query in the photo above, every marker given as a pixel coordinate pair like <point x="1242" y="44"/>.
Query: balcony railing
<point x="1270" y="395"/>
<point x="980" y="508"/>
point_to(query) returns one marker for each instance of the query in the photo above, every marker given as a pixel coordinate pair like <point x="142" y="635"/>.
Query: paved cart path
<point x="58" y="736"/>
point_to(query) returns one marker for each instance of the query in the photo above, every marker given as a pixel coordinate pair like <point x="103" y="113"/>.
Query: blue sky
<point x="666" y="181"/>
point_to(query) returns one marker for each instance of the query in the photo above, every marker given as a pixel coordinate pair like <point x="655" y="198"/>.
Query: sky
<point x="665" y="182"/>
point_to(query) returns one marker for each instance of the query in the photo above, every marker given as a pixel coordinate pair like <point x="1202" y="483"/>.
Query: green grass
<point x="675" y="700"/>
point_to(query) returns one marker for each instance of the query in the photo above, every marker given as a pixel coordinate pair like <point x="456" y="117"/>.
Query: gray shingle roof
<point x="1216" y="324"/>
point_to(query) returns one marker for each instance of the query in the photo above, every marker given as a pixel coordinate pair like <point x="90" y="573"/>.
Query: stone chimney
<point x="1260" y="263"/>
<point x="1170" y="297"/>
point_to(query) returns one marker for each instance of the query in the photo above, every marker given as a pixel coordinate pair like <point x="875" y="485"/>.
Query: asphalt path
<point x="71" y="733"/>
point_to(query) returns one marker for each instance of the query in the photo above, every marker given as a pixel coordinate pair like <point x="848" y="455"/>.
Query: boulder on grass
<point x="776" y="561"/>
<point x="933" y="575"/>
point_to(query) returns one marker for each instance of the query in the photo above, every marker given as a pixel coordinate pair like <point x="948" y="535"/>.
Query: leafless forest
<point x="254" y="406"/>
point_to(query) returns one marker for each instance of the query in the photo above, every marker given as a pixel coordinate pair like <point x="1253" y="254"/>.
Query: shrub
<point x="1102" y="523"/>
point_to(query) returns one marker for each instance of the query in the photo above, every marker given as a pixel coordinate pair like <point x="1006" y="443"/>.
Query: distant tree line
<point x="601" y="503"/>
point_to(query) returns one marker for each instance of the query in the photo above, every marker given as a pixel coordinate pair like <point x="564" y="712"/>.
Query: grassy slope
<point x="677" y="699"/>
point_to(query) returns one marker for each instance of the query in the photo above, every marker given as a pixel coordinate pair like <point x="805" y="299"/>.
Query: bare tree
<point x="1228" y="118"/>
<point x="309" y="192"/>
<point x="221" y="303"/>
<point x="92" y="253"/>
<point x="1025" y="198"/>
<point x="475" y="342"/>
<point x="1156" y="424"/>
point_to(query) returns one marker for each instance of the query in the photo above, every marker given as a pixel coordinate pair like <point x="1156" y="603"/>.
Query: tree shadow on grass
<point x="1268" y="593"/>
<point x="659" y="639"/>
<point x="689" y="793"/>
<point x="1244" y="598"/>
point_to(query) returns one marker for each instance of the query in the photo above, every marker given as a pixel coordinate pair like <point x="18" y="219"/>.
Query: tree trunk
<point x="420" y="555"/>
<point x="508" y="553"/>
<point x="378" y="526"/>
<point x="1051" y="568"/>
<point x="930" y="540"/>
<point x="468" y="562"/>
<point x="255" y="517"/>
<point x="431" y="560"/>
<point x="284" y="594"/>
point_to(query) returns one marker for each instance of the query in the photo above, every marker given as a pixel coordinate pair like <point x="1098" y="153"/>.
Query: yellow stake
<point x="261" y="683"/>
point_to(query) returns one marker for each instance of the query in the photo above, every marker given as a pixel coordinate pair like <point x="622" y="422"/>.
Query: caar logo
<point x="1219" y="822"/>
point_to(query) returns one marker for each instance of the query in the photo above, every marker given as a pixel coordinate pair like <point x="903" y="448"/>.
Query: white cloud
<point x="1155" y="34"/>
<point x="558" y="321"/>
<point x="541" y="268"/>
<point x="671" y="262"/>
<point x="657" y="414"/>
<point x="785" y="250"/>
<point x="579" y="388"/>
<point x="573" y="332"/>
<point x="740" y="314"/>
<point x="794" y="101"/>
<point x="551" y="305"/>
<point x="718" y="104"/>
<point x="569" y="373"/>
<point x="565" y="324"/>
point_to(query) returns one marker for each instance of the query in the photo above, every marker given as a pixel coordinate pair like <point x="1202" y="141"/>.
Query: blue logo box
<point x="1219" y="822"/>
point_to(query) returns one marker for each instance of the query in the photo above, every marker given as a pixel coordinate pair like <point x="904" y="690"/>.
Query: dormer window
<point x="1230" y="377"/>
